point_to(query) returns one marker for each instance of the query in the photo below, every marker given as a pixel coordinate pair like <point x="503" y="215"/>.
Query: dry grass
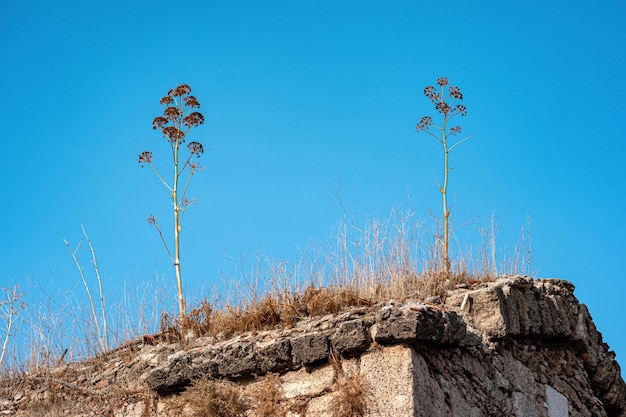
<point x="351" y="396"/>
<point x="351" y="390"/>
<point x="269" y="401"/>
<point x="47" y="396"/>
<point x="382" y="260"/>
<point x="207" y="397"/>
<point x="272" y="311"/>
<point x="397" y="257"/>
<point x="285" y="309"/>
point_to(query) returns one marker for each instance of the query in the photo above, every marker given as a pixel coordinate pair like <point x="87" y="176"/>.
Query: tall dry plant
<point x="179" y="116"/>
<point x="12" y="306"/>
<point x="444" y="99"/>
<point x="103" y="333"/>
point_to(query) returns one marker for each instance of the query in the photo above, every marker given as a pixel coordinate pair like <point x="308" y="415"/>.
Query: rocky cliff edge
<point x="514" y="346"/>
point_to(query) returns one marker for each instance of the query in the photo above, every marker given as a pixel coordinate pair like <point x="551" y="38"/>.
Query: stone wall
<point x="512" y="347"/>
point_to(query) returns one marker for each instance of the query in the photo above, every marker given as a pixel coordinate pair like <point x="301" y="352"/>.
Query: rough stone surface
<point x="512" y="347"/>
<point x="352" y="336"/>
<point x="387" y="372"/>
<point x="310" y="348"/>
<point x="556" y="403"/>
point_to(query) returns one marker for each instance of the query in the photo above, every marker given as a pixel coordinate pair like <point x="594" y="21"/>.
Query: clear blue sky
<point x="298" y="94"/>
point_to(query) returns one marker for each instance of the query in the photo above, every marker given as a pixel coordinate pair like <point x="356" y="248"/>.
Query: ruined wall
<point x="513" y="347"/>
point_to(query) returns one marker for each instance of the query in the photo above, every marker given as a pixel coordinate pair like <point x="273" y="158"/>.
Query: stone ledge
<point x="515" y="307"/>
<point x="414" y="323"/>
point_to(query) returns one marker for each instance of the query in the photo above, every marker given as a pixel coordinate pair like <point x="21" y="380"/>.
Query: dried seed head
<point x="172" y="113"/>
<point x="167" y="100"/>
<point x="442" y="107"/>
<point x="145" y="157"/>
<point x="442" y="81"/>
<point x="180" y="90"/>
<point x="455" y="130"/>
<point x="431" y="93"/>
<point x="456" y="93"/>
<point x="172" y="134"/>
<point x="424" y="123"/>
<point x="460" y="109"/>
<point x="194" y="119"/>
<point x="151" y="220"/>
<point x="159" y="121"/>
<point x="192" y="102"/>
<point x="195" y="148"/>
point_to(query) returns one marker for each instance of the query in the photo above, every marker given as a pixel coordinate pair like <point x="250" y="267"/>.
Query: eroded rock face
<point x="512" y="347"/>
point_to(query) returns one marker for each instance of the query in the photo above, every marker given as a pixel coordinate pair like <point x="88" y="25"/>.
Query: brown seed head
<point x="159" y="121"/>
<point x="192" y="102"/>
<point x="195" y="148"/>
<point x="442" y="81"/>
<point x="180" y="90"/>
<point x="455" y="93"/>
<point x="167" y="100"/>
<point x="460" y="109"/>
<point x="145" y="157"/>
<point x="424" y="123"/>
<point x="172" y="113"/>
<point x="172" y="133"/>
<point x="432" y="94"/>
<point x="194" y="119"/>
<point x="442" y="107"/>
<point x="455" y="130"/>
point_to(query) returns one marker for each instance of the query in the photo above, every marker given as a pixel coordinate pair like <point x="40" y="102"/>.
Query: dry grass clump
<point x="351" y="390"/>
<point x="269" y="401"/>
<point x="206" y="397"/>
<point x="285" y="309"/>
<point x="272" y="311"/>
<point x="351" y="399"/>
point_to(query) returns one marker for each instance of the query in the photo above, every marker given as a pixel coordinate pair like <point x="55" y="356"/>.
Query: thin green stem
<point x="159" y="176"/>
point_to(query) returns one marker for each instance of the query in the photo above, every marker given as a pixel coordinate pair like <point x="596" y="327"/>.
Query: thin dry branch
<point x="102" y="304"/>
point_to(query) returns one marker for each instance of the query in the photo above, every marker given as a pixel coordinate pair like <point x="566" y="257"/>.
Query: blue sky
<point x="297" y="95"/>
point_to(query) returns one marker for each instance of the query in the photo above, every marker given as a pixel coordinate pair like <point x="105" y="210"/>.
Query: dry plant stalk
<point x="11" y="307"/>
<point x="443" y="103"/>
<point x="103" y="334"/>
<point x="177" y="120"/>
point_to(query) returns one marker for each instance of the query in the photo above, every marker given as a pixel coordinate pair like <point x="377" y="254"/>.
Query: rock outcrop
<point x="512" y="347"/>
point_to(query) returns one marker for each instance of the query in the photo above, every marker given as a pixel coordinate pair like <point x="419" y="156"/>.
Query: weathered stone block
<point x="235" y="360"/>
<point x="272" y="357"/>
<point x="556" y="403"/>
<point x="389" y="374"/>
<point x="351" y="337"/>
<point x="310" y="348"/>
<point x="524" y="407"/>
<point x="418" y="323"/>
